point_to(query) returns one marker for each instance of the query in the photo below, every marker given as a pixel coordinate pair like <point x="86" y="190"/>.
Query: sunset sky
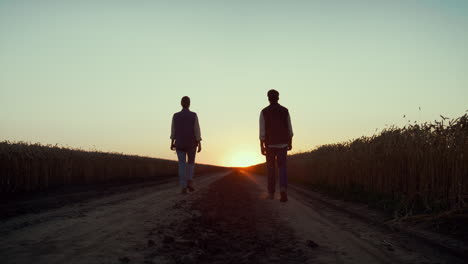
<point x="108" y="75"/>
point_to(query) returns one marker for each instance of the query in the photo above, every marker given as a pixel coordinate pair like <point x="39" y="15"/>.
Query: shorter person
<point x="185" y="138"/>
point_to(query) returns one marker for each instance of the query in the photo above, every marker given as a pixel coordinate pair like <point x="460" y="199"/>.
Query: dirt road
<point x="226" y="220"/>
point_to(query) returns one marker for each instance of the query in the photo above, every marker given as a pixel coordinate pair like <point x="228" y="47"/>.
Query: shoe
<point x="190" y="186"/>
<point x="284" y="197"/>
<point x="183" y="191"/>
<point x="271" y="196"/>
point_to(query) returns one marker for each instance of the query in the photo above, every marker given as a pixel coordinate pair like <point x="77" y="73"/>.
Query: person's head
<point x="185" y="102"/>
<point x="273" y="96"/>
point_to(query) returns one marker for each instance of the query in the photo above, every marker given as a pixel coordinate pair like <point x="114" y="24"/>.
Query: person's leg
<point x="181" y="155"/>
<point x="282" y="169"/>
<point x="190" y="168"/>
<point x="270" y="164"/>
<point x="283" y="172"/>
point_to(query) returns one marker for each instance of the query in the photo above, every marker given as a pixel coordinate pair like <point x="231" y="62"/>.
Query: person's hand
<point x="289" y="146"/>
<point x="262" y="148"/>
<point x="173" y="147"/>
<point x="199" y="147"/>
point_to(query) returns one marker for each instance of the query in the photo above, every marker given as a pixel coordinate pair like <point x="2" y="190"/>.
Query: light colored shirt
<point x="262" y="131"/>
<point x="196" y="127"/>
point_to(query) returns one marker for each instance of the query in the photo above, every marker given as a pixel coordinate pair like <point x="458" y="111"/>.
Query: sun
<point x="244" y="158"/>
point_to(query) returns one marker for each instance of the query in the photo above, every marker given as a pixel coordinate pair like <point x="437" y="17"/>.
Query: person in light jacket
<point x="185" y="139"/>
<point x="275" y="140"/>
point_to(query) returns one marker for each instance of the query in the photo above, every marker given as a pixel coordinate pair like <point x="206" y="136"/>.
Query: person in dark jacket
<point x="185" y="138"/>
<point x="275" y="140"/>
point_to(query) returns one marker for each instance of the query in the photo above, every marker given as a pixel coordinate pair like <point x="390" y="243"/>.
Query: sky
<point x="108" y="75"/>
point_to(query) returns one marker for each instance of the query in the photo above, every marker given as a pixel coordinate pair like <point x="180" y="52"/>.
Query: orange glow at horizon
<point x="244" y="158"/>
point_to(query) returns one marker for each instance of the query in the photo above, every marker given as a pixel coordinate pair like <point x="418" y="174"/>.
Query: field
<point x="419" y="170"/>
<point x="416" y="172"/>
<point x="33" y="167"/>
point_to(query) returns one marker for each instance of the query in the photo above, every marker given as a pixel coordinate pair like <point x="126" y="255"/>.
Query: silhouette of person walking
<point x="275" y="140"/>
<point x="185" y="138"/>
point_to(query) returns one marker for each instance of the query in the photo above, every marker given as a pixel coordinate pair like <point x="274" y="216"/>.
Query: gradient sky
<point x="108" y="75"/>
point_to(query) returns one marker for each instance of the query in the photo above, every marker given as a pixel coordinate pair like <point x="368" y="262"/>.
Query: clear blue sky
<point x="110" y="74"/>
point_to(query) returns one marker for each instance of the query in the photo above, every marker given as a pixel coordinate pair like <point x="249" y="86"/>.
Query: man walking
<point x="185" y="138"/>
<point x="275" y="140"/>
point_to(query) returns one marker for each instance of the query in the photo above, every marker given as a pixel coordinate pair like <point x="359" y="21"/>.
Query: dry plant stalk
<point x="28" y="167"/>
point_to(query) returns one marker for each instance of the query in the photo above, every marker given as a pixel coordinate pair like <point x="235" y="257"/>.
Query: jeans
<point x="277" y="156"/>
<point x="186" y="167"/>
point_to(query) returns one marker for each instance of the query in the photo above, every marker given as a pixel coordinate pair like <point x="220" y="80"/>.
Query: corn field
<point x="422" y="167"/>
<point x="32" y="167"/>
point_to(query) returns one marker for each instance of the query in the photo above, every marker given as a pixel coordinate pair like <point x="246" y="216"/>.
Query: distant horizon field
<point x="33" y="167"/>
<point x="94" y="150"/>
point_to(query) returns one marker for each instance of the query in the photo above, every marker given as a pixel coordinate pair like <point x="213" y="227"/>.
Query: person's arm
<point x="172" y="134"/>
<point x="198" y="133"/>
<point x="262" y="134"/>
<point x="291" y="134"/>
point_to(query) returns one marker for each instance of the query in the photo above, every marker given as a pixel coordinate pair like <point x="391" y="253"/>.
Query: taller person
<point x="185" y="139"/>
<point x="275" y="140"/>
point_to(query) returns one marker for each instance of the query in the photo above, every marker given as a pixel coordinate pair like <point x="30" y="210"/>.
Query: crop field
<point x="418" y="169"/>
<point x="32" y="167"/>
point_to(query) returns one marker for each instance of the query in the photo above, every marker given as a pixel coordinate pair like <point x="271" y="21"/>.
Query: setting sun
<point x="244" y="158"/>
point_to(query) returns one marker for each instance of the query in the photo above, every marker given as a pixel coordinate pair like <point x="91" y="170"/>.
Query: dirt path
<point x="227" y="220"/>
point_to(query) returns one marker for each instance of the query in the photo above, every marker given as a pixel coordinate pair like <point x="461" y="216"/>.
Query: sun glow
<point x="244" y="158"/>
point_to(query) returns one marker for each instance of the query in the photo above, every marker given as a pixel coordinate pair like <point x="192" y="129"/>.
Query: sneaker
<point x="183" y="191"/>
<point x="271" y="196"/>
<point x="284" y="197"/>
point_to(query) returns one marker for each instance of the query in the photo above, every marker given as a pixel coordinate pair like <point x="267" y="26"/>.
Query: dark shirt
<point x="185" y="129"/>
<point x="275" y="125"/>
